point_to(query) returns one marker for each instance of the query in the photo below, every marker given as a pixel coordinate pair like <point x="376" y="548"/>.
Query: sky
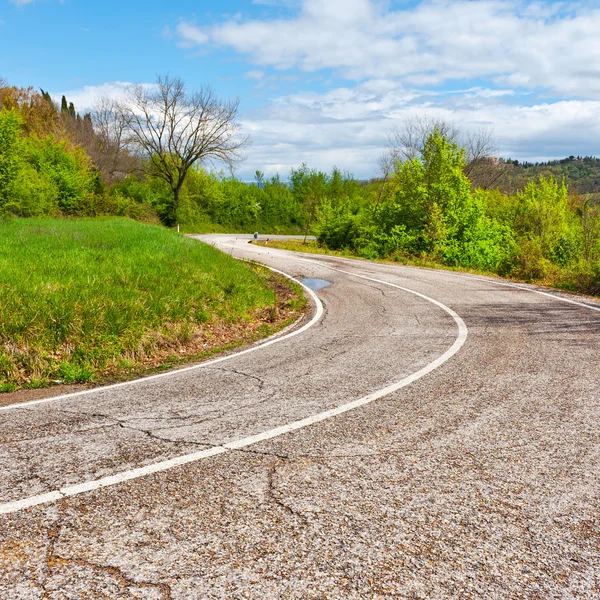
<point x="325" y="81"/>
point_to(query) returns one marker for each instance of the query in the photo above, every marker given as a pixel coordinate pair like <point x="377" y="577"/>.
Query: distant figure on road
<point x="256" y="236"/>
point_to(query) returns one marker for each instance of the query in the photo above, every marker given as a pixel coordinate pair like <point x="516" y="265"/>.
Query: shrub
<point x="10" y="153"/>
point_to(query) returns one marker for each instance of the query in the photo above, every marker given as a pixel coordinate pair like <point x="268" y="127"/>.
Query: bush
<point x="10" y="154"/>
<point x="68" y="169"/>
<point x="33" y="195"/>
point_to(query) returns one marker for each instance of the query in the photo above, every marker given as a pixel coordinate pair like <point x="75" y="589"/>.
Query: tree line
<point x="441" y="203"/>
<point x="441" y="196"/>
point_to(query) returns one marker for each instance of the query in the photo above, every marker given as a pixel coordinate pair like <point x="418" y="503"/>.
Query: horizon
<point x="324" y="84"/>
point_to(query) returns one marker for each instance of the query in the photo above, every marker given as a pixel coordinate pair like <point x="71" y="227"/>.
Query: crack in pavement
<point x="271" y="494"/>
<point x="53" y="561"/>
<point x="55" y="435"/>
<point x="261" y="382"/>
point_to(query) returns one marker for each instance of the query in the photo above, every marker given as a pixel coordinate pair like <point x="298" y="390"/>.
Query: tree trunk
<point x="176" y="205"/>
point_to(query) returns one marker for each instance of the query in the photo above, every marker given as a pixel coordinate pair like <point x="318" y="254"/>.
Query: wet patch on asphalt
<point x="315" y="284"/>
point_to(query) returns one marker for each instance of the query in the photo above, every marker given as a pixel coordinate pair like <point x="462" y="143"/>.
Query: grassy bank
<point x="560" y="278"/>
<point x="90" y="300"/>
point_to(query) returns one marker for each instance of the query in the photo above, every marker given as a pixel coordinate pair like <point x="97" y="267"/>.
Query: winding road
<point x="423" y="434"/>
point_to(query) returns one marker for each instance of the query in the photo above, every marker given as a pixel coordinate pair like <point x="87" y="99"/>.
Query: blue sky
<point x="325" y="81"/>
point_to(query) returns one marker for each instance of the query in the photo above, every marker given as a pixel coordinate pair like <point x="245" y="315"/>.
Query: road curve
<point x="380" y="453"/>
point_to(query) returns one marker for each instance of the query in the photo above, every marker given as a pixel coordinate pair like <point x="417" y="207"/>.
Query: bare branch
<point x="483" y="168"/>
<point x="407" y="142"/>
<point x="175" y="129"/>
<point x="109" y="152"/>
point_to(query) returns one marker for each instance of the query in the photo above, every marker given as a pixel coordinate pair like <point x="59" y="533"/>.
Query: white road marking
<point x="72" y="490"/>
<point x="453" y="274"/>
<point x="273" y="340"/>
<point x="526" y="289"/>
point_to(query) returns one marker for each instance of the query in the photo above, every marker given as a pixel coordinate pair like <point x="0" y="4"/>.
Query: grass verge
<point x="105" y="299"/>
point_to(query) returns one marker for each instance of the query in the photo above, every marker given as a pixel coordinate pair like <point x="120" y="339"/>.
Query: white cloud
<point x="533" y="45"/>
<point x="349" y="127"/>
<point x="85" y="98"/>
<point x="256" y="74"/>
<point x="190" y="35"/>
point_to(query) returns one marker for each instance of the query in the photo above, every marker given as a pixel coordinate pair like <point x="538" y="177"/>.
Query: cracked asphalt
<point x="479" y="480"/>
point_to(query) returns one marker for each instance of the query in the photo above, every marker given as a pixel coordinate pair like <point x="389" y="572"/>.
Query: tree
<point x="174" y="129"/>
<point x="309" y="187"/>
<point x="408" y="142"/>
<point x="38" y="115"/>
<point x="590" y="224"/>
<point x="10" y="129"/>
<point x="109" y="150"/>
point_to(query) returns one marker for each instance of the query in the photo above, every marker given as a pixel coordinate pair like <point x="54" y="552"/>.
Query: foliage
<point x="68" y="169"/>
<point x="522" y="221"/>
<point x="580" y="174"/>
<point x="10" y="126"/>
<point x="432" y="212"/>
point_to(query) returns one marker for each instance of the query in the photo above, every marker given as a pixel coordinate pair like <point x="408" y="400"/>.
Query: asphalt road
<point x="430" y="435"/>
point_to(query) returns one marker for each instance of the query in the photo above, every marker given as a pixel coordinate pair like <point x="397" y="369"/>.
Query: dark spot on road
<point x="315" y="284"/>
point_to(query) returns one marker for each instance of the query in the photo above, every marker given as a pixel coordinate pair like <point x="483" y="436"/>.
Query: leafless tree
<point x="174" y="129"/>
<point x="483" y="168"/>
<point x="387" y="164"/>
<point x="408" y="141"/>
<point x="109" y="152"/>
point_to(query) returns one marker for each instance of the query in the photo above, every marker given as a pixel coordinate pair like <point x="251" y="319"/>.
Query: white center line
<point x="88" y="486"/>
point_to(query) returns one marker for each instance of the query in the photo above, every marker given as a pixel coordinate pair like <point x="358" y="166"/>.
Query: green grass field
<point x="84" y="300"/>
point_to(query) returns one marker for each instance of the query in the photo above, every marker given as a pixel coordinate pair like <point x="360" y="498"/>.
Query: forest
<point x="437" y="200"/>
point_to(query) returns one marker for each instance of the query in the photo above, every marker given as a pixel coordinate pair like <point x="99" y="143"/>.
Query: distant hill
<point x="581" y="174"/>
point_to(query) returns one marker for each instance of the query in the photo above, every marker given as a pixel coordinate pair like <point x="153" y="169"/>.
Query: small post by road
<point x="256" y="236"/>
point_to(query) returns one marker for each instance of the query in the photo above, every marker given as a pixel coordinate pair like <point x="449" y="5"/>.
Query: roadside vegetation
<point x="90" y="300"/>
<point x="429" y="212"/>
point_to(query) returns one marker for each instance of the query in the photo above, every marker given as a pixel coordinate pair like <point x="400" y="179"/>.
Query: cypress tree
<point x="88" y="127"/>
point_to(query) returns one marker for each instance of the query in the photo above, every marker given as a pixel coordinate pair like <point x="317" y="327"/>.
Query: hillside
<point x="581" y="174"/>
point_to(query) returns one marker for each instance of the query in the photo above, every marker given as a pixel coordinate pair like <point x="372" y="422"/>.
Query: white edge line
<point x="277" y="337"/>
<point x="64" y="492"/>
<point x="11" y="507"/>
<point x="467" y="276"/>
<point x="526" y="289"/>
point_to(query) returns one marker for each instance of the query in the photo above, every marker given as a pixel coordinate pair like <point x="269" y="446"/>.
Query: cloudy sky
<point x="324" y="81"/>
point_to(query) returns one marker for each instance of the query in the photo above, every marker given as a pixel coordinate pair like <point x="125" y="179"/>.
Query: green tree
<point x="309" y="187"/>
<point x="543" y="216"/>
<point x="10" y="153"/>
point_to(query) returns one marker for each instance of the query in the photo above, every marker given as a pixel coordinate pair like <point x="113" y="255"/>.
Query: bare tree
<point x="175" y="129"/>
<point x="408" y="141"/>
<point x="483" y="168"/>
<point x="110" y="152"/>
